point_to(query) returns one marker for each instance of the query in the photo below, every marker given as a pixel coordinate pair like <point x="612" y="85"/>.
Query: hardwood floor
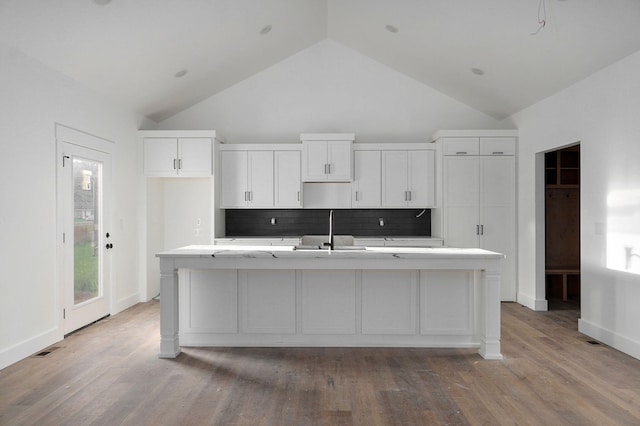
<point x="108" y="374"/>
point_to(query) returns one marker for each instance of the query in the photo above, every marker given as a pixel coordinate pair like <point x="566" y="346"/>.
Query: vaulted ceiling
<point x="497" y="56"/>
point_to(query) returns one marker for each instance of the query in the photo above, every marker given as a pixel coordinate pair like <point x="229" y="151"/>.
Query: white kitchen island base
<point x="382" y="296"/>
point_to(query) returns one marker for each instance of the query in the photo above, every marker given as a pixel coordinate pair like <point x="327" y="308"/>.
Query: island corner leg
<point x="489" y="305"/>
<point x="169" y="326"/>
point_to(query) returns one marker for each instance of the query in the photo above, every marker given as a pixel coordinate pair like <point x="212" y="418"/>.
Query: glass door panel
<point x="87" y="232"/>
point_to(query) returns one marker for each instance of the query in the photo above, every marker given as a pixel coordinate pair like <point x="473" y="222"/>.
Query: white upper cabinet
<point x="326" y="157"/>
<point x="247" y="179"/>
<point x="287" y="179"/>
<point x="170" y="157"/>
<point x="408" y="178"/>
<point x="367" y="182"/>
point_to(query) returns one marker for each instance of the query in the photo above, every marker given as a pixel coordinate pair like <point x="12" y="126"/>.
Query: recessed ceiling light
<point x="181" y="73"/>
<point x="102" y="2"/>
<point x="266" y="30"/>
<point x="391" y="28"/>
<point x="477" y="71"/>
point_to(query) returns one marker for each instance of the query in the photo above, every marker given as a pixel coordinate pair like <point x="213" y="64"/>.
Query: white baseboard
<point x="531" y="303"/>
<point x="622" y="343"/>
<point x="127" y="302"/>
<point x="29" y="347"/>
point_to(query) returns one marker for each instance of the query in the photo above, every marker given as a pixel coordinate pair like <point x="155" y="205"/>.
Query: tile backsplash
<point x="356" y="222"/>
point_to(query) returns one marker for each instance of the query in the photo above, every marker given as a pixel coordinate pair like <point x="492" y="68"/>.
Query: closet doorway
<point x="562" y="230"/>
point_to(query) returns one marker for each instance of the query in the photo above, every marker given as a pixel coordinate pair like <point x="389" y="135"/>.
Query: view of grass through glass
<point x="86" y="229"/>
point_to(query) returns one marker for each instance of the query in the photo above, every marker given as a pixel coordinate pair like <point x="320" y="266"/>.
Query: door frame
<point x="65" y="134"/>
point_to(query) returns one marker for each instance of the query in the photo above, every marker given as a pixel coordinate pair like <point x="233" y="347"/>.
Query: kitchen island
<point x="373" y="296"/>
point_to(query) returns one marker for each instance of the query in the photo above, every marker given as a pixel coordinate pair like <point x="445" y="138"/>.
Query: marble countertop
<point x="278" y="252"/>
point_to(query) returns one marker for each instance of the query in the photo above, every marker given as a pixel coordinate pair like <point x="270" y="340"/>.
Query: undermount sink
<point x="321" y="242"/>
<point x="326" y="248"/>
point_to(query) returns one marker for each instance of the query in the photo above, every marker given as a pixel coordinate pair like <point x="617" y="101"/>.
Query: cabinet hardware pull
<point x="477" y="229"/>
<point x="250" y="195"/>
<point x="180" y="164"/>
<point x="246" y="195"/>
<point x="298" y="195"/>
<point x="461" y="152"/>
<point x="357" y="195"/>
<point x="498" y="152"/>
<point x="481" y="229"/>
<point x="174" y="163"/>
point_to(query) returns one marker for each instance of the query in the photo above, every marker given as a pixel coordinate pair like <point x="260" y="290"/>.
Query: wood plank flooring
<point x="109" y="374"/>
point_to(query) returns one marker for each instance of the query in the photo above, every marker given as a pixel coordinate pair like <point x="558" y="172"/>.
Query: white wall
<point x="32" y="99"/>
<point x="602" y="113"/>
<point x="329" y="88"/>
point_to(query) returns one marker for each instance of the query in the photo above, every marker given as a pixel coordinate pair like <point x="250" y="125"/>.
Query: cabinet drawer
<point x="498" y="146"/>
<point x="461" y="146"/>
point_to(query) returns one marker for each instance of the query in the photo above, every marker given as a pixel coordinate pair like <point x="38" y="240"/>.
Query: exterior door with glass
<point x="83" y="179"/>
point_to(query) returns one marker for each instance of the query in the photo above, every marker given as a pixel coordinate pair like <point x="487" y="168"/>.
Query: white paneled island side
<point x="373" y="296"/>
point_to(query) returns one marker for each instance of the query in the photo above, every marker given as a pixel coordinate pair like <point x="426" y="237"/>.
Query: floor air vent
<point x="45" y="352"/>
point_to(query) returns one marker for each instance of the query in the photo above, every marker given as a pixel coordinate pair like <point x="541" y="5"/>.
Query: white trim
<point x="327" y="137"/>
<point x="78" y="137"/>
<point x="474" y="133"/>
<point x="179" y="134"/>
<point x="29" y="347"/>
<point x="611" y="338"/>
<point x="532" y="303"/>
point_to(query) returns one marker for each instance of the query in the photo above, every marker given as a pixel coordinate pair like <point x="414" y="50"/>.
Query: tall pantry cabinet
<point x="479" y="198"/>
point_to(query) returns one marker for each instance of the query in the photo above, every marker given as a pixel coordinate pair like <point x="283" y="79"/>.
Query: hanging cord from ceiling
<point x="542" y="17"/>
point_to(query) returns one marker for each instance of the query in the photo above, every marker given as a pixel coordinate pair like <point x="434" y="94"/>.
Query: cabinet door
<point x="287" y="179"/>
<point x="260" y="178"/>
<point x="160" y="156"/>
<point x="461" y="197"/>
<point x="497" y="215"/>
<point x="234" y="179"/>
<point x="421" y="178"/>
<point x="367" y="183"/>
<point x="339" y="160"/>
<point x="195" y="157"/>
<point x="394" y="179"/>
<point x="314" y="166"/>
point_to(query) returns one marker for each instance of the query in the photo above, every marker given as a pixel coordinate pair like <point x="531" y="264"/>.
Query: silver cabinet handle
<point x="498" y="153"/>
<point x="481" y="229"/>
<point x="174" y="163"/>
<point x="298" y="195"/>
<point x="180" y="163"/>
<point x="477" y="229"/>
<point x="461" y="152"/>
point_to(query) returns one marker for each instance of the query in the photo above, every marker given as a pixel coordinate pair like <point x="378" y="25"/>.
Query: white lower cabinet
<point x="446" y="302"/>
<point x="268" y="301"/>
<point x="328" y="302"/>
<point x="389" y="309"/>
<point x="209" y="301"/>
<point x="326" y="307"/>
